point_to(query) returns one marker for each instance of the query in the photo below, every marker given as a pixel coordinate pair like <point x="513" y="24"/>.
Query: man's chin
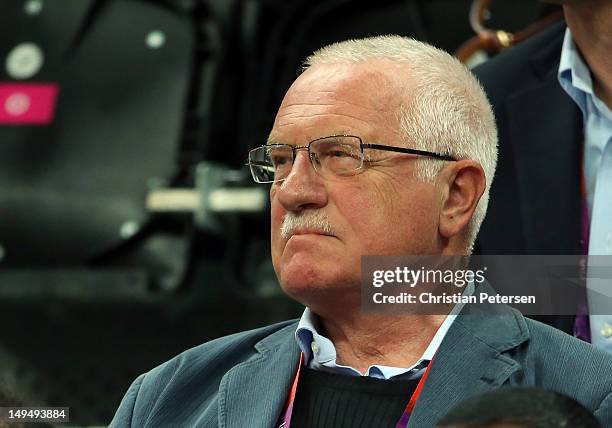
<point x="307" y="283"/>
<point x="308" y="293"/>
<point x="295" y="283"/>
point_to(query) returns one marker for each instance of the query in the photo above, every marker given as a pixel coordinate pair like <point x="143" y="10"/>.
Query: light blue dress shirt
<point x="320" y="353"/>
<point x="575" y="78"/>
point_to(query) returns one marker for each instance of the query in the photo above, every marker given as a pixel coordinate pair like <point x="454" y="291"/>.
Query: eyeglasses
<point x="337" y="155"/>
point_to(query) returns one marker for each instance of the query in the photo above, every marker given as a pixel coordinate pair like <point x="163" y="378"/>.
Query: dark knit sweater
<point x="325" y="400"/>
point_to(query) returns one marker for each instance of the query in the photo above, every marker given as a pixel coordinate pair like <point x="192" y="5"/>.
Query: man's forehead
<point x="276" y="137"/>
<point x="341" y="98"/>
<point x="374" y="81"/>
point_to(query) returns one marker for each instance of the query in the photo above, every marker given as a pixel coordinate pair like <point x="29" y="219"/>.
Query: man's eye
<point x="338" y="154"/>
<point x="279" y="160"/>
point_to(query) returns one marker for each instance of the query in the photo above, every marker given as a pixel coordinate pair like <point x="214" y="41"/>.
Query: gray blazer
<point x="243" y="380"/>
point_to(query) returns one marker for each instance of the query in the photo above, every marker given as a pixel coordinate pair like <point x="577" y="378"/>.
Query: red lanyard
<point x="285" y="420"/>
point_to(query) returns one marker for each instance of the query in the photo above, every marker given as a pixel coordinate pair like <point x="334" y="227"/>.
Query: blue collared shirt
<point x="320" y="353"/>
<point x="575" y="78"/>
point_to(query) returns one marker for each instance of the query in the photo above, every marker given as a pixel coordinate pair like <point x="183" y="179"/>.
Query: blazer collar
<point x="545" y="62"/>
<point x="253" y="393"/>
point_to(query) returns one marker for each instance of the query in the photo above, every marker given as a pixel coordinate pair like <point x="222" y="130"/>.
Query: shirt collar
<point x="575" y="78"/>
<point x="307" y="334"/>
<point x="574" y="75"/>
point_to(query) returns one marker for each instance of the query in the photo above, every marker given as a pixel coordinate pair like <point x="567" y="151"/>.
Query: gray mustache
<point x="312" y="219"/>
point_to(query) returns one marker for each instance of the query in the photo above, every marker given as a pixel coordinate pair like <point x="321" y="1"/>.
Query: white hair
<point x="444" y="110"/>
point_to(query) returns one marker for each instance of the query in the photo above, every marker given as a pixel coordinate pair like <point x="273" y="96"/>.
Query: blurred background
<point x="129" y="227"/>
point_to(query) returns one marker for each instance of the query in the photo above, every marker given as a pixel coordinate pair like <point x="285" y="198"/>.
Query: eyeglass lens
<point x="329" y="156"/>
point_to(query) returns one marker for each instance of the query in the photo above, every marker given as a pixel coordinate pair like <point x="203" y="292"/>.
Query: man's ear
<point x="465" y="183"/>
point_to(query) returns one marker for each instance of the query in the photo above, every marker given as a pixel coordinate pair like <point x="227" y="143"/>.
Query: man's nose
<point x="303" y="188"/>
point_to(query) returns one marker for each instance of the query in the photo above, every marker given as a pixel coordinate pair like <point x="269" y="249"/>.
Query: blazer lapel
<point x="546" y="133"/>
<point x="470" y="361"/>
<point x="253" y="393"/>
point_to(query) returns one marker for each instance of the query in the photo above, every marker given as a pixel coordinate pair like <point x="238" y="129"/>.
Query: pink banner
<point x="27" y="103"/>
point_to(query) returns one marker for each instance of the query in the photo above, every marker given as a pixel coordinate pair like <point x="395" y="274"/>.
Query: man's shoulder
<point x="231" y="348"/>
<point x="569" y="365"/>
<point x="165" y="393"/>
<point x="548" y="357"/>
<point x="550" y="340"/>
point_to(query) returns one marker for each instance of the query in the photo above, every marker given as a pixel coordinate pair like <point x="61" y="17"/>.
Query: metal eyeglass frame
<point x="362" y="146"/>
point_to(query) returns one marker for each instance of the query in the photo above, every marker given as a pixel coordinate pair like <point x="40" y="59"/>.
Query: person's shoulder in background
<point x="197" y="372"/>
<point x="518" y="66"/>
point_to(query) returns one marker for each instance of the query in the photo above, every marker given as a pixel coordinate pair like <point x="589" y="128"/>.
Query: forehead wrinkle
<point x="336" y="101"/>
<point x="371" y="98"/>
<point x="273" y="138"/>
<point x="317" y="115"/>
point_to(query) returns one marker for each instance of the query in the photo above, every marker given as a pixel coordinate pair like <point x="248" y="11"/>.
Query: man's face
<point x="383" y="210"/>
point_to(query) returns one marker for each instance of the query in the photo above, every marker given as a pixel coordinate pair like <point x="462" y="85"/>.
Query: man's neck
<point x="589" y="22"/>
<point x="389" y="340"/>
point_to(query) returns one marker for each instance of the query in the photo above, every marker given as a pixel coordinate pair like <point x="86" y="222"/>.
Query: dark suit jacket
<point x="243" y="380"/>
<point x="535" y="197"/>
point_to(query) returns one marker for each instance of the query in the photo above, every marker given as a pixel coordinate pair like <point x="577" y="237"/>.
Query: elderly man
<point x="382" y="146"/>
